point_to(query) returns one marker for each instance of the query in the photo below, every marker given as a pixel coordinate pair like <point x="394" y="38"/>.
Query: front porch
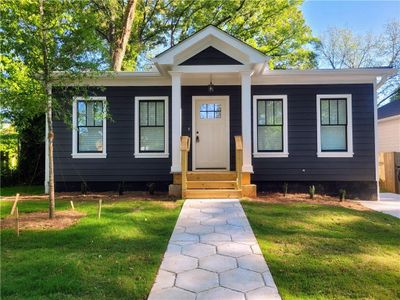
<point x="211" y="183"/>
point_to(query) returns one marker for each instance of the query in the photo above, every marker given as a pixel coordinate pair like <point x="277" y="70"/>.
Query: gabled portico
<point x="211" y="57"/>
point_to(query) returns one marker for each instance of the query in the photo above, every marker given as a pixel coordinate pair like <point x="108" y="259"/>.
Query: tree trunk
<point x="49" y="108"/>
<point x="50" y="137"/>
<point x="122" y="40"/>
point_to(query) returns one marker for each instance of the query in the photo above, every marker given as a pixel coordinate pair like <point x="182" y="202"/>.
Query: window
<point x="89" y="122"/>
<point x="334" y="126"/>
<point x="151" y="127"/>
<point x="270" y="126"/>
<point x="210" y="111"/>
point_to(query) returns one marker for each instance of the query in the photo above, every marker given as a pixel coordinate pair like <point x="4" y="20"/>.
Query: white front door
<point x="210" y="133"/>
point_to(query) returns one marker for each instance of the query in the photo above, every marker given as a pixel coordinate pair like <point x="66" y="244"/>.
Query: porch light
<point x="211" y="86"/>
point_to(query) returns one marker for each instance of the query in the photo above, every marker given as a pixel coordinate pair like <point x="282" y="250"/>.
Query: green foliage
<point x="311" y="191"/>
<point x="22" y="189"/>
<point x="115" y="257"/>
<point x="327" y="252"/>
<point x="275" y="27"/>
<point x="66" y="32"/>
<point x="342" y="194"/>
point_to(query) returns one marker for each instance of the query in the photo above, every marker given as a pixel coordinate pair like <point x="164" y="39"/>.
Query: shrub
<point x="342" y="195"/>
<point x="311" y="191"/>
<point x="151" y="188"/>
<point x="84" y="188"/>
<point x="285" y="188"/>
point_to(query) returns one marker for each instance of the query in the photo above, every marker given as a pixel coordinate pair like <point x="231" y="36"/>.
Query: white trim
<point x="349" y="152"/>
<point x="285" y="151"/>
<point x="376" y="137"/>
<point x="75" y="153"/>
<point x="164" y="154"/>
<point x="210" y="32"/>
<point x="211" y="69"/>
<point x="217" y="97"/>
<point x="176" y="121"/>
<point x="246" y="121"/>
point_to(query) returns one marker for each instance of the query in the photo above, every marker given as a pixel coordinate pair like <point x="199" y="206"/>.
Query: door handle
<point x="197" y="137"/>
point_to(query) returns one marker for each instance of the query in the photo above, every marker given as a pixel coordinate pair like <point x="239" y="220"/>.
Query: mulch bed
<point x="305" y="198"/>
<point x="41" y="221"/>
<point x="109" y="196"/>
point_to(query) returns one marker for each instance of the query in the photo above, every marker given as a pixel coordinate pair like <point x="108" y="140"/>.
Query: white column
<point x="246" y="120"/>
<point x="176" y="121"/>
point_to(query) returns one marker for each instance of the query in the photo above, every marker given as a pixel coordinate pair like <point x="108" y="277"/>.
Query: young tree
<point x="40" y="37"/>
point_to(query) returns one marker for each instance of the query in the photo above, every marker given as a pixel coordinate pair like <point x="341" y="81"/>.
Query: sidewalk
<point x="213" y="254"/>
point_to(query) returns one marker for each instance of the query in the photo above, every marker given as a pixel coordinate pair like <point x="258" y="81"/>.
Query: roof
<point x="210" y="36"/>
<point x="389" y="110"/>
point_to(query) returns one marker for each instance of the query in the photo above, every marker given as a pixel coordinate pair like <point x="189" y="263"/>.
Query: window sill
<point x="151" y="155"/>
<point x="89" y="155"/>
<point x="270" y="154"/>
<point x="335" y="154"/>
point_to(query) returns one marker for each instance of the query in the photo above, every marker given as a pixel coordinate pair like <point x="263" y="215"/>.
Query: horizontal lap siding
<point x="303" y="163"/>
<point x="120" y="164"/>
<point x="234" y="93"/>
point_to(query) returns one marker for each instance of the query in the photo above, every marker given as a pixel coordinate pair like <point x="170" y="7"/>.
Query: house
<point x="212" y="106"/>
<point x="389" y="146"/>
<point x="389" y="127"/>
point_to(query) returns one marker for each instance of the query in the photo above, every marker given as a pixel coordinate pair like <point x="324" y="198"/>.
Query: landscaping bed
<point x="114" y="257"/>
<point x="317" y="249"/>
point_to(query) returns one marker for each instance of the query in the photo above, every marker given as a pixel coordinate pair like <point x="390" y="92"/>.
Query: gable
<point x="210" y="46"/>
<point x="210" y="56"/>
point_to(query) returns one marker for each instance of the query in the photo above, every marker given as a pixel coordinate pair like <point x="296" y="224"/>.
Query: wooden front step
<point x="211" y="176"/>
<point x="211" y="184"/>
<point x="213" y="194"/>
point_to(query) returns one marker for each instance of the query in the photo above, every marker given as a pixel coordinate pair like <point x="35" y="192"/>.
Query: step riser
<point x="211" y="184"/>
<point x="211" y="177"/>
<point x="212" y="194"/>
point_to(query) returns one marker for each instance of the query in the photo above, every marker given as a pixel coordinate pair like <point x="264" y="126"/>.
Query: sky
<point x="360" y="16"/>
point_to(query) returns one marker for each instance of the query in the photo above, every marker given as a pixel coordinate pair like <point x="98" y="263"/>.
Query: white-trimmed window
<point x="151" y="127"/>
<point x="334" y="126"/>
<point x="270" y="126"/>
<point x="89" y="127"/>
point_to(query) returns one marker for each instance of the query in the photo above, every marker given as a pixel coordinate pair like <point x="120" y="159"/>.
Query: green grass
<point x="116" y="257"/>
<point x="326" y="252"/>
<point x="22" y="189"/>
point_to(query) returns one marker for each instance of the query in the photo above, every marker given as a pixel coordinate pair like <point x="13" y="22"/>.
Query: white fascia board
<point x="345" y="76"/>
<point x="208" y="33"/>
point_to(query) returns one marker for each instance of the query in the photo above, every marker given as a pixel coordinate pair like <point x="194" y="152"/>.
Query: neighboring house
<point x="311" y="127"/>
<point x="389" y="127"/>
<point x="389" y="146"/>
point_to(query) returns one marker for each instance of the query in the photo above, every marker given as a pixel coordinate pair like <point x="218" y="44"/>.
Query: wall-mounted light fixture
<point x="211" y="86"/>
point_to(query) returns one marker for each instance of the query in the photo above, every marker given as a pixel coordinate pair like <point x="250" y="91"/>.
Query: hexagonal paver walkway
<point x="213" y="254"/>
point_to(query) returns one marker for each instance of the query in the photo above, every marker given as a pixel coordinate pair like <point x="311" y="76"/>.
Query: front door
<point x="210" y="133"/>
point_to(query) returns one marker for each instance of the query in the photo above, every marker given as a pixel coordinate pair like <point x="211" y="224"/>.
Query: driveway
<point x="389" y="203"/>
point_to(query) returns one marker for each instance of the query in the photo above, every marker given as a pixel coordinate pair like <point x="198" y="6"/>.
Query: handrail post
<point x="239" y="161"/>
<point x="185" y="148"/>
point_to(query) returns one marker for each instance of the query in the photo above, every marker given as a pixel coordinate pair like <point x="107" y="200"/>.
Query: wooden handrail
<point x="185" y="148"/>
<point x="239" y="160"/>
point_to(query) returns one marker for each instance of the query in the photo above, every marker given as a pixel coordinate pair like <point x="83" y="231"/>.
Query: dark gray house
<point x="250" y="128"/>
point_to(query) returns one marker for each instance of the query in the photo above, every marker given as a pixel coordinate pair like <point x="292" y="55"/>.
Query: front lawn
<point x="327" y="252"/>
<point x="116" y="257"/>
<point x="22" y="189"/>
